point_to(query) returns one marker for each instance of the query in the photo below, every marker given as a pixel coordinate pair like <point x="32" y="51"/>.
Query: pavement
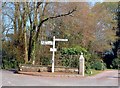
<point x="106" y="78"/>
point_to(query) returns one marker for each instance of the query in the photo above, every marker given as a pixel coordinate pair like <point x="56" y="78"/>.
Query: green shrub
<point x="91" y="60"/>
<point x="73" y="51"/>
<point x="65" y="62"/>
<point x="116" y="63"/>
<point x="75" y="62"/>
<point x="72" y="61"/>
<point x="87" y="65"/>
<point x="98" y="65"/>
<point x="88" y="71"/>
<point x="10" y="60"/>
<point x="87" y="68"/>
<point x="9" y="63"/>
<point x="70" y="56"/>
<point x="45" y="61"/>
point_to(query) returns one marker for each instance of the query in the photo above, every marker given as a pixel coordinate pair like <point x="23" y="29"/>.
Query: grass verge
<point x="94" y="72"/>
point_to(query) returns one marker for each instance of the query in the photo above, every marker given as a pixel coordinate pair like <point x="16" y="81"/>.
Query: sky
<point x="92" y="2"/>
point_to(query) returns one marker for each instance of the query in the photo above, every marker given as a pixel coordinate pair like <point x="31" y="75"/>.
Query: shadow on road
<point x="15" y="71"/>
<point x="116" y="77"/>
<point x="113" y="77"/>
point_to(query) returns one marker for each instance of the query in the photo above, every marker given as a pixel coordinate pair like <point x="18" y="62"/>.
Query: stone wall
<point x="33" y="68"/>
<point x="36" y="68"/>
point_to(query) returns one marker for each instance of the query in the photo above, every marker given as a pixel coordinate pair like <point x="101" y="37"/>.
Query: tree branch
<point x="38" y="4"/>
<point x="52" y="17"/>
<point x="44" y="8"/>
<point x="8" y="16"/>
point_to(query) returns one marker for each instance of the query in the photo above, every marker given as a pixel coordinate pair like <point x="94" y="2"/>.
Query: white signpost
<point x="53" y="49"/>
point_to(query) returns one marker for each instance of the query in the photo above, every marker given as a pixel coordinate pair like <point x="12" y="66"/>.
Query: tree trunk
<point x="34" y="35"/>
<point x="25" y="37"/>
<point x="26" y="49"/>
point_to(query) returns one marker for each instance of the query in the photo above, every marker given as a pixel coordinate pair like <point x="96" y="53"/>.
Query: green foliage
<point x="75" y="62"/>
<point x="45" y="61"/>
<point x="73" y="51"/>
<point x="116" y="63"/>
<point x="70" y="56"/>
<point x="68" y="51"/>
<point x="98" y="65"/>
<point x="70" y="61"/>
<point x="9" y="63"/>
<point x="91" y="61"/>
<point x="88" y="71"/>
<point x="65" y="62"/>
<point x="11" y="57"/>
<point x="88" y="68"/>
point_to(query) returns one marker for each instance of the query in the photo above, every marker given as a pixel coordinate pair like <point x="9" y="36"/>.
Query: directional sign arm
<point x="61" y="39"/>
<point x="51" y="49"/>
<point x="46" y="43"/>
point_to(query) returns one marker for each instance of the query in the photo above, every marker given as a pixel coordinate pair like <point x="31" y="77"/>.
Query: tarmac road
<point x="106" y="78"/>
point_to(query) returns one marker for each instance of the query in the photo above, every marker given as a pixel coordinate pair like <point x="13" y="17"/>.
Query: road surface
<point x="106" y="78"/>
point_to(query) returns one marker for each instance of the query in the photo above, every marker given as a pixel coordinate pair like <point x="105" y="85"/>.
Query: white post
<point x="52" y="49"/>
<point x="53" y="54"/>
<point x="81" y="65"/>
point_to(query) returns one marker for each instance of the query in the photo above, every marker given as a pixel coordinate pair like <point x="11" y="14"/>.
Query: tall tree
<point x="104" y="26"/>
<point x="117" y="43"/>
<point x="28" y="17"/>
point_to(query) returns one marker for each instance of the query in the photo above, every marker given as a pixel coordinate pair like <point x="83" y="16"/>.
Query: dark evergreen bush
<point x="116" y="63"/>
